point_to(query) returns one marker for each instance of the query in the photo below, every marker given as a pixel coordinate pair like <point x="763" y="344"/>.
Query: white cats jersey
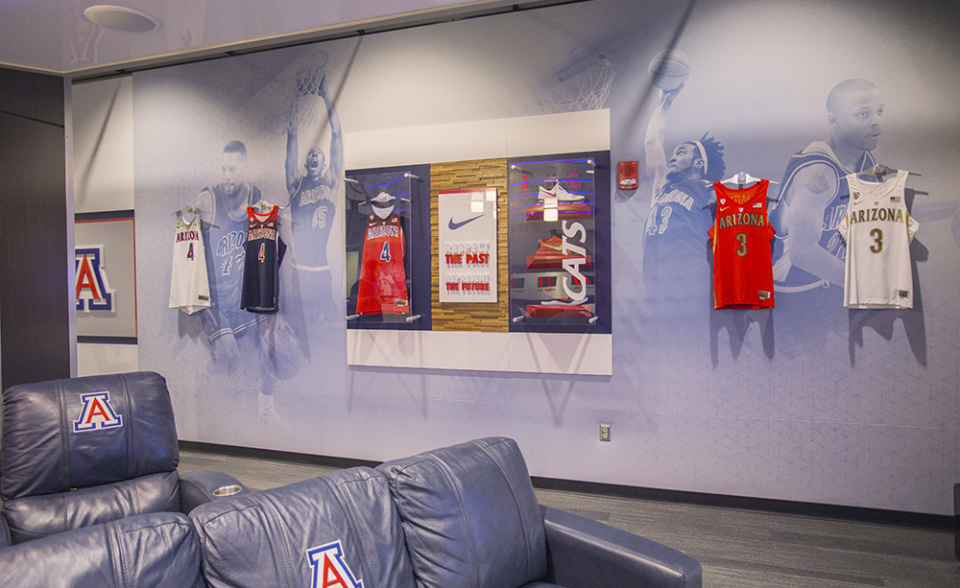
<point x="878" y="230"/>
<point x="189" y="284"/>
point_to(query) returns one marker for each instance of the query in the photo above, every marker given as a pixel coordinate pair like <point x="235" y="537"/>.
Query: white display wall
<point x="807" y="402"/>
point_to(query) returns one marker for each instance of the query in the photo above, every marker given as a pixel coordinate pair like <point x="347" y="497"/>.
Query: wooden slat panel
<point x="470" y="175"/>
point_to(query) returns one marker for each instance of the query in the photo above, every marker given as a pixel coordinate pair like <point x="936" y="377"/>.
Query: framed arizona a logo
<point x="106" y="301"/>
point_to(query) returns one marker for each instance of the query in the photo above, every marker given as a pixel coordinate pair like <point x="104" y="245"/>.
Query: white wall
<point x="103" y="181"/>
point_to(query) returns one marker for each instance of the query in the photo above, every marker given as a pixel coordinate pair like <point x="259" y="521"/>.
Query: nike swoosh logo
<point x="454" y="226"/>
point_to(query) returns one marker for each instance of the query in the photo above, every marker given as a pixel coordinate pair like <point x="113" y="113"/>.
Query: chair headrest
<point x="472" y="502"/>
<point x="82" y="432"/>
<point x="342" y="524"/>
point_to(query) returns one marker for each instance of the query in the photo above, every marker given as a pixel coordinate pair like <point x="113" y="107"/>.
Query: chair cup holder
<point x="227" y="490"/>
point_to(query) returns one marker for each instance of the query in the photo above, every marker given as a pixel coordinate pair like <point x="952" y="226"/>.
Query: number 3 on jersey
<point x="742" y="240"/>
<point x="877" y="235"/>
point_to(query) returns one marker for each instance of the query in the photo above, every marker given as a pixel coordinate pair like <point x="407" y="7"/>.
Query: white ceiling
<point x="53" y="35"/>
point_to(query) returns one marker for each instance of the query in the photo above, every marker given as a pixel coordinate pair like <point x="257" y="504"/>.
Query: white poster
<point x="468" y="245"/>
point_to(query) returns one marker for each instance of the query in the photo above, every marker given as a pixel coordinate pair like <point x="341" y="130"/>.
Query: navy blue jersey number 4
<point x="385" y="253"/>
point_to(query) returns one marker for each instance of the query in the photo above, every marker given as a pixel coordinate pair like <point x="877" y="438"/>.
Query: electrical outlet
<point x="604" y="432"/>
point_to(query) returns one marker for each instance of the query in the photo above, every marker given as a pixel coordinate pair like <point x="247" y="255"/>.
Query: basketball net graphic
<point x="586" y="89"/>
<point x="303" y="96"/>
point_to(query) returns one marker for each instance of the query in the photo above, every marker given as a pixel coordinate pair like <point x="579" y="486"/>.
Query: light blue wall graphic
<point x="807" y="402"/>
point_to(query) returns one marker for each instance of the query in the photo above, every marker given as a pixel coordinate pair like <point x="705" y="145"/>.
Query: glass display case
<point x="558" y="243"/>
<point x="386" y="287"/>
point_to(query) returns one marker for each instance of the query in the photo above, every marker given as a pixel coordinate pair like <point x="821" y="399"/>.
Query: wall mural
<point x="807" y="401"/>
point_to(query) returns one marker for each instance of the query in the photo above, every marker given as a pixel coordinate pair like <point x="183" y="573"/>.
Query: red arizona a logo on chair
<point x="329" y="568"/>
<point x="97" y="413"/>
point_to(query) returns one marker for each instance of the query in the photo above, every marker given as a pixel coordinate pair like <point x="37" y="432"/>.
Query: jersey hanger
<point x="383" y="204"/>
<point x="743" y="178"/>
<point x="263" y="206"/>
<point x="879" y="170"/>
<point x="190" y="208"/>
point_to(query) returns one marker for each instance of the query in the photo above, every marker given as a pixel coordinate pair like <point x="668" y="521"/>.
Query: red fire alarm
<point x="627" y="175"/>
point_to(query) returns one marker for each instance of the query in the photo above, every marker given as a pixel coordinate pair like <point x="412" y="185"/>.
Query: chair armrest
<point x="582" y="553"/>
<point x="198" y="488"/>
<point x="4" y="532"/>
<point x="956" y="520"/>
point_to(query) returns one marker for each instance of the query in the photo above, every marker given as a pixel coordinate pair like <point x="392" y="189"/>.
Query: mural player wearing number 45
<point x="313" y="206"/>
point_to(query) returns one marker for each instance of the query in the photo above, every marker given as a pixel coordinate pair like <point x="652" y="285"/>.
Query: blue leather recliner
<point x="462" y="516"/>
<point x="158" y="550"/>
<point x="83" y="451"/>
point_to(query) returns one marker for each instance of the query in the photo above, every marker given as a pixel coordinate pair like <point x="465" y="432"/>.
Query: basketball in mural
<point x="669" y="68"/>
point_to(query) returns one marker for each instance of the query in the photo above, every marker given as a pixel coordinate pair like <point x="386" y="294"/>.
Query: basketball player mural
<point x="810" y="257"/>
<point x="810" y="254"/>
<point x="227" y="203"/>
<point x="676" y="266"/>
<point x="312" y="208"/>
<point x="814" y="194"/>
<point x="225" y="322"/>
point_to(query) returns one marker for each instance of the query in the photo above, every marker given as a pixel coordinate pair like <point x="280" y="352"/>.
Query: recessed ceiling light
<point x="119" y="18"/>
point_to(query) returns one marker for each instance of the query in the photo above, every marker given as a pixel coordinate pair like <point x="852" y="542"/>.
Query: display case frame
<point x="410" y="185"/>
<point x="559" y="238"/>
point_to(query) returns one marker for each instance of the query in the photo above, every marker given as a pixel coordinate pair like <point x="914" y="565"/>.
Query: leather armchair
<point x="148" y="551"/>
<point x="473" y="508"/>
<point x="83" y="451"/>
<point x="462" y="516"/>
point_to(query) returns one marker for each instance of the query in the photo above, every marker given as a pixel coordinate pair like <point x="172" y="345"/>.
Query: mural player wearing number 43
<point x="676" y="265"/>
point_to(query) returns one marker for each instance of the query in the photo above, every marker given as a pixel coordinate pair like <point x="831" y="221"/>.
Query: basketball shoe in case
<point x="550" y="255"/>
<point x="568" y="205"/>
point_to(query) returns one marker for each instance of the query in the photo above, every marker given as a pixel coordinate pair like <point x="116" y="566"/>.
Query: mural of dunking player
<point x="675" y="251"/>
<point x="313" y="190"/>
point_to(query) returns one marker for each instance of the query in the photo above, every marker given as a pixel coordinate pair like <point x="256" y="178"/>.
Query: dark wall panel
<point x="34" y="308"/>
<point x="32" y="95"/>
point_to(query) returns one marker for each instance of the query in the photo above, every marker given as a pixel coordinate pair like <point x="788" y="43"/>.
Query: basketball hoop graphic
<point x="584" y="86"/>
